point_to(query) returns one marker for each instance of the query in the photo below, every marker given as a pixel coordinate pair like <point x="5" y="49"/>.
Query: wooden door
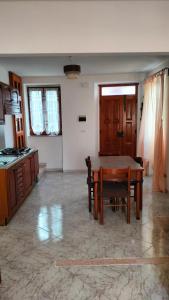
<point x="111" y="125"/>
<point x="118" y="125"/>
<point x="129" y="125"/>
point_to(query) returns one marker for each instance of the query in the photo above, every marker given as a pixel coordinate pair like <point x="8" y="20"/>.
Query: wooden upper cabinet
<point x="12" y="101"/>
<point x="2" y="116"/>
<point x="9" y="101"/>
<point x="18" y="120"/>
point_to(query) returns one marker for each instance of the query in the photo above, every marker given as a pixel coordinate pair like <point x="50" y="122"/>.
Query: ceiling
<point x="52" y="65"/>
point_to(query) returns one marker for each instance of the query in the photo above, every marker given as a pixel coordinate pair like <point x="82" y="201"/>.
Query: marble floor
<point x="54" y="225"/>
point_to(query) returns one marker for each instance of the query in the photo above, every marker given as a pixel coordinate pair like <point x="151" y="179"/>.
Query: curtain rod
<point x="159" y="72"/>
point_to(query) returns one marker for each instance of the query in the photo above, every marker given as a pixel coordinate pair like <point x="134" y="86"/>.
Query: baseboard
<point x="42" y="165"/>
<point x="54" y="170"/>
<point x="75" y="171"/>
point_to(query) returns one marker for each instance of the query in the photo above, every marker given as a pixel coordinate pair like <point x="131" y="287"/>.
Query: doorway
<point x="118" y="119"/>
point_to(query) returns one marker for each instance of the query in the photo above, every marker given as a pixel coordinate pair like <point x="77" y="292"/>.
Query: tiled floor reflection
<point x="54" y="225"/>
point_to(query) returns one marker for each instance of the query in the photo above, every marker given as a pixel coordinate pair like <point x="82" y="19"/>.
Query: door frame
<point x="136" y="84"/>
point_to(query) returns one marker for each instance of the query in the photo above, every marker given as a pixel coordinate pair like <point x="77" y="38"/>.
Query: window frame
<point x="136" y="84"/>
<point x="43" y="88"/>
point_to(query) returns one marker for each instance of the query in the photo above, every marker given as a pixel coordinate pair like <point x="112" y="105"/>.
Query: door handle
<point x="120" y="134"/>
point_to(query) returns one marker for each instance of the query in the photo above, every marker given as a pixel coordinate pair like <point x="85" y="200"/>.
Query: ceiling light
<point x="72" y="71"/>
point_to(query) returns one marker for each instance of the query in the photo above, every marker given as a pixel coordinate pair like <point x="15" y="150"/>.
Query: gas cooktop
<point x="14" y="151"/>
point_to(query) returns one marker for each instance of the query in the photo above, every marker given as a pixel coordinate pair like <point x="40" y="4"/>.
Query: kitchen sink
<point x="5" y="160"/>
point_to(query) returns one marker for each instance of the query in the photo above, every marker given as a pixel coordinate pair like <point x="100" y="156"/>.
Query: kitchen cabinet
<point x="12" y="201"/>
<point x="9" y="101"/>
<point x="27" y="176"/>
<point x="16" y="182"/>
<point x="2" y="116"/>
<point x="12" y="101"/>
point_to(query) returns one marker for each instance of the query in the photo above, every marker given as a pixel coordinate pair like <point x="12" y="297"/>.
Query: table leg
<point x="95" y="212"/>
<point x="96" y="209"/>
<point x="138" y="196"/>
<point x="141" y="191"/>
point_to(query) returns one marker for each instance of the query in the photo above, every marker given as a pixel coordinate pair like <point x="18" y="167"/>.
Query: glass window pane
<point x="36" y="111"/>
<point x="52" y="112"/>
<point x="118" y="90"/>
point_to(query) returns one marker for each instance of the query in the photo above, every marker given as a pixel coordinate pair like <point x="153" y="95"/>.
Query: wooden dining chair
<point x="90" y="183"/>
<point x="117" y="188"/>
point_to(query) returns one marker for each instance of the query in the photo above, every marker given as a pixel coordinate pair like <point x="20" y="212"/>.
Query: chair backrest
<point x="87" y="161"/>
<point x="89" y="169"/>
<point x="139" y="160"/>
<point x="115" y="175"/>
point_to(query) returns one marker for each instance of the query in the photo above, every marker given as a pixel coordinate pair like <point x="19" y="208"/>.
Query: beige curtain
<point x="166" y="126"/>
<point x="154" y="129"/>
<point x="147" y="127"/>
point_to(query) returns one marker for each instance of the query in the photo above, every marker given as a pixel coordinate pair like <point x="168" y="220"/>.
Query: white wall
<point x="78" y="97"/>
<point x="2" y="137"/>
<point x="6" y="130"/>
<point x="83" y="26"/>
<point x="4" y="77"/>
<point x="50" y="150"/>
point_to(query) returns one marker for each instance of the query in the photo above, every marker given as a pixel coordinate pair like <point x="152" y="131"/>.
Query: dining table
<point x="119" y="162"/>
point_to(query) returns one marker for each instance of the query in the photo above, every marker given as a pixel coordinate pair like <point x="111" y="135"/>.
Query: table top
<point x="119" y="162"/>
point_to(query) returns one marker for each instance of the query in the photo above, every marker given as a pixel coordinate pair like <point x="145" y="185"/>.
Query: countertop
<point x="13" y="159"/>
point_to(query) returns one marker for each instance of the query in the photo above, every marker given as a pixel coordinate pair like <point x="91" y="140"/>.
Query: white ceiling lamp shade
<point x="72" y="71"/>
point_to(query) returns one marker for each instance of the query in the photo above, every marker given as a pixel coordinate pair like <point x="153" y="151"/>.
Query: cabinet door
<point x="12" y="197"/>
<point x="27" y="175"/>
<point x="11" y="100"/>
<point x="19" y="134"/>
<point x="32" y="169"/>
<point x="36" y="161"/>
<point x="19" y="183"/>
<point x="2" y="117"/>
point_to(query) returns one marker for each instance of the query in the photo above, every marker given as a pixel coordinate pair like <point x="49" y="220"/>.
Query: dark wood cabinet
<point x="12" y="101"/>
<point x="2" y="115"/>
<point x="12" y="197"/>
<point x="36" y="162"/>
<point x="9" y="101"/>
<point x="28" y="174"/>
<point x="16" y="182"/>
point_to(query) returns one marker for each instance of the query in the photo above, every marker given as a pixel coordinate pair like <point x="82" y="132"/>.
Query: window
<point x="44" y="110"/>
<point x="118" y="90"/>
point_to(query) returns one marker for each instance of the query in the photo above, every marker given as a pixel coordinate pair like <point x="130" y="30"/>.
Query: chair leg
<point x="141" y="196"/>
<point x="117" y="203"/>
<point x="128" y="210"/>
<point x="89" y="199"/>
<point x="135" y="193"/>
<point x="123" y="203"/>
<point x="101" y="216"/>
<point x="112" y="202"/>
